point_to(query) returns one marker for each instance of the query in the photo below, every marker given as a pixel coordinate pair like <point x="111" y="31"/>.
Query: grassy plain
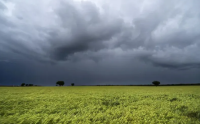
<point x="100" y="104"/>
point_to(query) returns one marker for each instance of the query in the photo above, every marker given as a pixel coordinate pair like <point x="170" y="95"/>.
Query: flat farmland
<point x="100" y="105"/>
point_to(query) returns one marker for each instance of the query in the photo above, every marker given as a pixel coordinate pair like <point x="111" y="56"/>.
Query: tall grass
<point x="95" y="104"/>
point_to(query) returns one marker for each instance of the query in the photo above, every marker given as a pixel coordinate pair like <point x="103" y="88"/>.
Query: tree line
<point x="23" y="84"/>
<point x="62" y="83"/>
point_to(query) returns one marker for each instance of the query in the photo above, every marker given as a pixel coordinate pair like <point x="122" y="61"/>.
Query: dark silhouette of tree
<point x="156" y="83"/>
<point x="27" y="84"/>
<point x="30" y="84"/>
<point x="72" y="84"/>
<point x="23" y="84"/>
<point x="60" y="83"/>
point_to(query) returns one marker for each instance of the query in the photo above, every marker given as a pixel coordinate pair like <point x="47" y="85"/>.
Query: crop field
<point x="100" y="104"/>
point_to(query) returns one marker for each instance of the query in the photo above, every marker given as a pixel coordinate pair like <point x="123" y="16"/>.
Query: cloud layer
<point x="115" y="35"/>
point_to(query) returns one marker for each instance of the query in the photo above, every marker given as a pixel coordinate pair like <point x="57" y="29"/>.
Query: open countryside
<point x="100" y="105"/>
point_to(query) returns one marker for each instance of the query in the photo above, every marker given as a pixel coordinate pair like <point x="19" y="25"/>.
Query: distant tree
<point x="23" y="84"/>
<point x="57" y="83"/>
<point x="27" y="84"/>
<point x="60" y="83"/>
<point x="72" y="84"/>
<point x="156" y="83"/>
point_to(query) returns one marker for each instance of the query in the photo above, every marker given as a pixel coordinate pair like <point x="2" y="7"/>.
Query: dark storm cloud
<point x="84" y="29"/>
<point x="84" y="34"/>
<point x="79" y="27"/>
<point x="100" y="41"/>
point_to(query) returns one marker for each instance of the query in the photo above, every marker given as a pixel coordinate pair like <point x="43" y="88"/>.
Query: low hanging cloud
<point x="164" y="34"/>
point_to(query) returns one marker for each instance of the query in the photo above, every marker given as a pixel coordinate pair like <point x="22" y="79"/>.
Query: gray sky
<point x="99" y="41"/>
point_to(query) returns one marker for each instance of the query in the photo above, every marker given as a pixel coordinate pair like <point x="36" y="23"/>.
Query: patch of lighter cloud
<point x="177" y="55"/>
<point x="81" y="0"/>
<point x="10" y="8"/>
<point x="190" y="26"/>
<point x="142" y="6"/>
<point x="167" y="28"/>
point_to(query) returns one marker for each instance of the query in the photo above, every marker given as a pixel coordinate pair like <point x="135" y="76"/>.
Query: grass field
<point x="105" y="104"/>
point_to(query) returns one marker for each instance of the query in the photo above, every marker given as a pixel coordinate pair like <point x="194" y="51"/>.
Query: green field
<point x="100" y="104"/>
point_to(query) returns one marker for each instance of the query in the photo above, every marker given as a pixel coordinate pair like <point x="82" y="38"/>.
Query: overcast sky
<point x="99" y="41"/>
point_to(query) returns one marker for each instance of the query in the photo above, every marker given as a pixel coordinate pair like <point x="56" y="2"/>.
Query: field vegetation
<point x="100" y="104"/>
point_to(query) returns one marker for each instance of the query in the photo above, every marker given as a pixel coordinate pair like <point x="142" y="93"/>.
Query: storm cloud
<point x="99" y="41"/>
